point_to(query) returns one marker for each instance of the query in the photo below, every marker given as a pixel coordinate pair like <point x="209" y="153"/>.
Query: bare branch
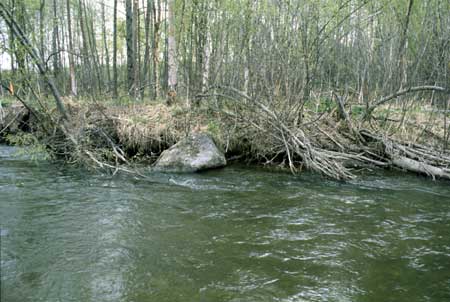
<point x="403" y="92"/>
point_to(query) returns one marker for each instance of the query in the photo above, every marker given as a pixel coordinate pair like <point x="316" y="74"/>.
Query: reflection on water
<point x="231" y="235"/>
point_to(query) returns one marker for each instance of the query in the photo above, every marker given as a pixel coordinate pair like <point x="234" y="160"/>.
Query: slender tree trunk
<point x="172" y="52"/>
<point x="190" y="59"/>
<point x="147" y="44"/>
<point x="41" y="28"/>
<point x="157" y="16"/>
<point x="84" y="50"/>
<point x="11" y="40"/>
<point x="165" y="33"/>
<point x="93" y="47"/>
<point x="105" y="44"/>
<point x="62" y="46"/>
<point x="55" y="49"/>
<point x="115" y="93"/>
<point x="19" y="52"/>
<point x="130" y="44"/>
<point x="246" y="47"/>
<point x="403" y="46"/>
<point x="73" y="80"/>
<point x="306" y="61"/>
<point x="206" y="60"/>
<point x="136" y="73"/>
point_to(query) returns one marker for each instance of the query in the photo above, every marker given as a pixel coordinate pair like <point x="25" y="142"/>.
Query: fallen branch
<point x="420" y="167"/>
<point x="296" y="142"/>
<point x="413" y="157"/>
<point x="403" y="92"/>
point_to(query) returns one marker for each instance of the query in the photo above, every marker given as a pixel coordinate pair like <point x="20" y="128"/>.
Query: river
<point x="236" y="234"/>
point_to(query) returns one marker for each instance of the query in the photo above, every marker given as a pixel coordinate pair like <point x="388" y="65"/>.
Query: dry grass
<point x="148" y="128"/>
<point x="250" y="133"/>
<point x="420" y="124"/>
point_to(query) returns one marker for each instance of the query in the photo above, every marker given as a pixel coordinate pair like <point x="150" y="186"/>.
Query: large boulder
<point x="194" y="153"/>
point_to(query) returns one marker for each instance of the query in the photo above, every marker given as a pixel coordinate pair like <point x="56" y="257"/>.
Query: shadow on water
<point x="236" y="234"/>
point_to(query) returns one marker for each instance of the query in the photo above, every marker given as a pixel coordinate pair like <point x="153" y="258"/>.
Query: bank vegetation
<point x="329" y="86"/>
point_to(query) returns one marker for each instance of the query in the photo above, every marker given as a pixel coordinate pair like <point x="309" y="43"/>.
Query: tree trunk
<point x="115" y="93"/>
<point x="136" y="73"/>
<point x="147" y="45"/>
<point x="73" y="81"/>
<point x="21" y="17"/>
<point x="41" y="28"/>
<point x="84" y="50"/>
<point x="93" y="47"/>
<point x="206" y="59"/>
<point x="55" y="49"/>
<point x="130" y="45"/>
<point x="402" y="47"/>
<point x="157" y="16"/>
<point x="172" y="52"/>
<point x="11" y="40"/>
<point x="105" y="44"/>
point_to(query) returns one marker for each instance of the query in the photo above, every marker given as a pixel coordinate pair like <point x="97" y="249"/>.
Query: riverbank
<point x="321" y="139"/>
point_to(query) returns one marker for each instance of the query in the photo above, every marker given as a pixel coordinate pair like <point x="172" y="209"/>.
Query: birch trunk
<point x="115" y="93"/>
<point x="206" y="60"/>
<point x="73" y="81"/>
<point x="172" y="53"/>
<point x="105" y="45"/>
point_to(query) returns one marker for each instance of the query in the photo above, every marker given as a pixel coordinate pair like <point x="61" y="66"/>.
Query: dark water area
<point x="236" y="234"/>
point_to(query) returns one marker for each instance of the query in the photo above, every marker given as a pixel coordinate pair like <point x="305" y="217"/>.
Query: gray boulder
<point x="194" y="153"/>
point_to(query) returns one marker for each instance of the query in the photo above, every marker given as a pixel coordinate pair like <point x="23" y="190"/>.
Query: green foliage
<point x="6" y="101"/>
<point x="357" y="110"/>
<point x="139" y="119"/>
<point x="325" y="105"/>
<point x="126" y="100"/>
<point x="214" y="128"/>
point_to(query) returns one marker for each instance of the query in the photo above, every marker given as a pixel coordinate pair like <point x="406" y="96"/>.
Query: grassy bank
<point x="318" y="139"/>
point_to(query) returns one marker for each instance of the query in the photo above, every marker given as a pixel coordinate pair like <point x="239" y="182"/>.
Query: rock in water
<point x="194" y="153"/>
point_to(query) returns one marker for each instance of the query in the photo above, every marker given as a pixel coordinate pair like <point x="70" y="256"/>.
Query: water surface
<point x="236" y="234"/>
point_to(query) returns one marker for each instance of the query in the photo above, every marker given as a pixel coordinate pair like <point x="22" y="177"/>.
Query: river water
<point x="236" y="234"/>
